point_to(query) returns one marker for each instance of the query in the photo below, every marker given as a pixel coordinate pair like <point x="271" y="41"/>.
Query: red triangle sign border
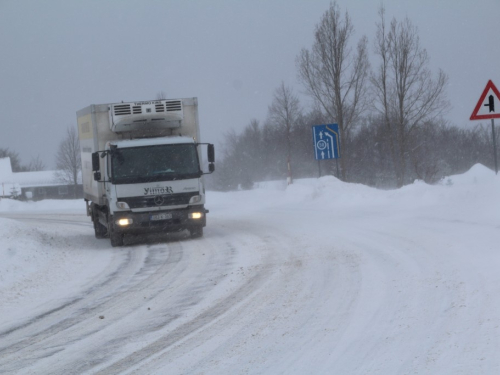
<point x="475" y="115"/>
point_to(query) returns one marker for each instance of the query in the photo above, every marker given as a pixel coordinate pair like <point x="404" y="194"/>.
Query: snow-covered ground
<point x="320" y="277"/>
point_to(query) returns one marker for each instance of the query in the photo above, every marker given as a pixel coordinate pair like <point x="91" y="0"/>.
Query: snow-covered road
<point x="319" y="278"/>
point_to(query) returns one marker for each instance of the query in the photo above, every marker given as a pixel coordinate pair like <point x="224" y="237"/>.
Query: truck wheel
<point x="115" y="237"/>
<point x="196" y="232"/>
<point x="100" y="230"/>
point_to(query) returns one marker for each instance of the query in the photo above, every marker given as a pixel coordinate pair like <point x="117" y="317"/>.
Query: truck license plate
<point x="160" y="217"/>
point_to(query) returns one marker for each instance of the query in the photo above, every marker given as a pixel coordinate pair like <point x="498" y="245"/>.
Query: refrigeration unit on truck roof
<point x="155" y="114"/>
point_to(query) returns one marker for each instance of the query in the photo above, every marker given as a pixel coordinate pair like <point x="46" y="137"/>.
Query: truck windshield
<point x="154" y="163"/>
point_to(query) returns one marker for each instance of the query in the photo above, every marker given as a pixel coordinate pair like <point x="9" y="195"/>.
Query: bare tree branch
<point x="36" y="164"/>
<point x="284" y="113"/>
<point x="161" y="95"/>
<point x="68" y="162"/>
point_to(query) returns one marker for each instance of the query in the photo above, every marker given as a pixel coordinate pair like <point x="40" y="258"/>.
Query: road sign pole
<point x="338" y="173"/>
<point x="479" y="112"/>
<point x="319" y="168"/>
<point x="494" y="144"/>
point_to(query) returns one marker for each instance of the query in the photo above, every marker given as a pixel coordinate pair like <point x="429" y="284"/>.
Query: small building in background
<point x="35" y="185"/>
<point x="8" y="187"/>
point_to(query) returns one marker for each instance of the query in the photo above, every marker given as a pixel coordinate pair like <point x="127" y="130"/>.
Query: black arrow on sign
<point x="491" y="103"/>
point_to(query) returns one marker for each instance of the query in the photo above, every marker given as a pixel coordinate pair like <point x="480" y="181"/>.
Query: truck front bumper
<point x="160" y="221"/>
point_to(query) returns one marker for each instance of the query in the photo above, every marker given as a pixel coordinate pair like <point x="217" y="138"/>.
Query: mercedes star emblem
<point x="158" y="200"/>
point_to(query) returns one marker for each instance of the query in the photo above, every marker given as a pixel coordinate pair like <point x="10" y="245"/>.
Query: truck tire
<point x="100" y="230"/>
<point x="116" y="239"/>
<point x="196" y="232"/>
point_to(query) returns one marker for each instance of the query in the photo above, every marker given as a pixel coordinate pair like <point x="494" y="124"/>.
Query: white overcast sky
<point x="60" y="56"/>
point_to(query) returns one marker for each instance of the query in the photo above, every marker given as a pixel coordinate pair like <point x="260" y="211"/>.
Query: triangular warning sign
<point x="488" y="105"/>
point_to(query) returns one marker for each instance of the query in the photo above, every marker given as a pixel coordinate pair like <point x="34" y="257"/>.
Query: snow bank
<point x="479" y="182"/>
<point x="44" y="264"/>
<point x="475" y="192"/>
<point x="48" y="205"/>
<point x="30" y="257"/>
<point x="270" y="185"/>
<point x="331" y="191"/>
<point x="24" y="251"/>
<point x="477" y="175"/>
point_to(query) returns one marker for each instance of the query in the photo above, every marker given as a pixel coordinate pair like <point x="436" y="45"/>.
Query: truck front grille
<point x="168" y="200"/>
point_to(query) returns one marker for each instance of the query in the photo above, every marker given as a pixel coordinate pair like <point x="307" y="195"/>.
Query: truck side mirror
<point x="95" y="162"/>
<point x="211" y="167"/>
<point x="97" y="176"/>
<point x="211" y="153"/>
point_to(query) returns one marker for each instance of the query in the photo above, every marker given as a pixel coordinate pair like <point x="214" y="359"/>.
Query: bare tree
<point x="252" y="154"/>
<point x="36" y="164"/>
<point x="68" y="161"/>
<point x="284" y="113"/>
<point x="379" y="80"/>
<point x="334" y="75"/>
<point x="406" y="94"/>
<point x="161" y="95"/>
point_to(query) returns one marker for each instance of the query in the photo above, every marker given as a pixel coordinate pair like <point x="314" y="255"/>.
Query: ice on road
<point x="319" y="277"/>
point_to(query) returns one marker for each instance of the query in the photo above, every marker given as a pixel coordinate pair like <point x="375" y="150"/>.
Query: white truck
<point x="142" y="168"/>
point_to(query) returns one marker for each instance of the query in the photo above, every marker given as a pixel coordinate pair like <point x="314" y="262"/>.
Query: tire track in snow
<point x="58" y="350"/>
<point x="186" y="329"/>
<point x="41" y="331"/>
<point x="270" y="274"/>
<point x="186" y="293"/>
<point x="82" y="320"/>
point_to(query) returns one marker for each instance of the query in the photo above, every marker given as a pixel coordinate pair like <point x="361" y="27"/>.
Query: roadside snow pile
<point x="472" y="186"/>
<point x="270" y="185"/>
<point x="42" y="263"/>
<point x="25" y="251"/>
<point x="11" y="205"/>
<point x="477" y="175"/>
<point x="331" y="191"/>
<point x="476" y="191"/>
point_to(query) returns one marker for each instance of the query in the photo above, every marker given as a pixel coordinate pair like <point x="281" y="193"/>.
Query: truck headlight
<point x="195" y="199"/>
<point x="195" y="215"/>
<point x="122" y="205"/>
<point x="125" y="221"/>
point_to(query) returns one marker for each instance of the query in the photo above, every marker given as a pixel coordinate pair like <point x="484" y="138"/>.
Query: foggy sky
<point x="60" y="56"/>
